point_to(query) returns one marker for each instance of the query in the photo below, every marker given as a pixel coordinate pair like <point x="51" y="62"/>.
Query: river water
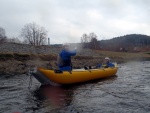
<point x="127" y="92"/>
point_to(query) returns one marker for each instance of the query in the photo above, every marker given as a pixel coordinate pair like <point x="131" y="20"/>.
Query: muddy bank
<point x="21" y="63"/>
<point x="17" y="63"/>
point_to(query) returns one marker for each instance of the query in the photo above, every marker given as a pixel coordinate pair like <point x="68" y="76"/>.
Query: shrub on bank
<point x="6" y="56"/>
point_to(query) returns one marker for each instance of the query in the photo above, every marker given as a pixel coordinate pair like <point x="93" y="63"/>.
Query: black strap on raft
<point x="58" y="71"/>
<point x="86" y="68"/>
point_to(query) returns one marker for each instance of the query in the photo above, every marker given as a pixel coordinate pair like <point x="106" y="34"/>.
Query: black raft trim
<point x="58" y="71"/>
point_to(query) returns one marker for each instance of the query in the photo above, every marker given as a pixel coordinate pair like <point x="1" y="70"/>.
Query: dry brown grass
<point x="47" y="57"/>
<point x="21" y="62"/>
<point x="125" y="55"/>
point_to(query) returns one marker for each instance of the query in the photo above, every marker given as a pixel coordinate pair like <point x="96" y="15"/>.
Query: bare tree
<point x="90" y="41"/>
<point x="34" y="34"/>
<point x="94" y="44"/>
<point x="2" y="35"/>
<point x="85" y="40"/>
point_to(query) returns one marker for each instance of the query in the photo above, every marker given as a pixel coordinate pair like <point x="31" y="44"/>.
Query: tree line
<point x="36" y="35"/>
<point x="31" y="33"/>
<point x="126" y="42"/>
<point x="122" y="43"/>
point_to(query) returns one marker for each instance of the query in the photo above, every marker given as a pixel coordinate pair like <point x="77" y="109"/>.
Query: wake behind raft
<point x="50" y="77"/>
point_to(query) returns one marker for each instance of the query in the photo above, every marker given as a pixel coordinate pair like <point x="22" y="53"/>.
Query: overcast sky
<point x="68" y="20"/>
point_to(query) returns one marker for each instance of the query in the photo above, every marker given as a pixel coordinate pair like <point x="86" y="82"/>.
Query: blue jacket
<point x="66" y="55"/>
<point x="109" y="64"/>
<point x="66" y="58"/>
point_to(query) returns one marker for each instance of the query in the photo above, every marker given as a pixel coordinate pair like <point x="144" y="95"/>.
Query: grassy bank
<point x="20" y="63"/>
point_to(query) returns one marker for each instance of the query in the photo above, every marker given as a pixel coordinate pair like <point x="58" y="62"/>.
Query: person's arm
<point x="111" y="65"/>
<point x="71" y="53"/>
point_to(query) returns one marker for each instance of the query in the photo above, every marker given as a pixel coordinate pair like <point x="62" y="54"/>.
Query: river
<point x="127" y="92"/>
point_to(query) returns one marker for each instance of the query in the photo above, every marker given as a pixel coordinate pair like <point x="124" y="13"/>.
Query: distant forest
<point x="132" y="42"/>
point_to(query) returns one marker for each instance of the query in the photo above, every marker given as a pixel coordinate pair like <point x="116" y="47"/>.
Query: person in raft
<point x="106" y="63"/>
<point x="64" y="58"/>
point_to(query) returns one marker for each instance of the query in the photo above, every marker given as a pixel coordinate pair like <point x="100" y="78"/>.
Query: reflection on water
<point x="56" y="96"/>
<point x="128" y="92"/>
<point x="49" y="98"/>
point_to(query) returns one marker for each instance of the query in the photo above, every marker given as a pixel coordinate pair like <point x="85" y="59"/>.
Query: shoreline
<point x="16" y="63"/>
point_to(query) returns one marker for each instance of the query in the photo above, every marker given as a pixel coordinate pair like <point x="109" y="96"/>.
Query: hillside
<point x="131" y="43"/>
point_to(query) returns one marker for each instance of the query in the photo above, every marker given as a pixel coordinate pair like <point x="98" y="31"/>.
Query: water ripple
<point x="128" y="92"/>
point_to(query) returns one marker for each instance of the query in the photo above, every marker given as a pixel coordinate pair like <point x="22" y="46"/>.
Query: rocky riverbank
<point x="18" y="58"/>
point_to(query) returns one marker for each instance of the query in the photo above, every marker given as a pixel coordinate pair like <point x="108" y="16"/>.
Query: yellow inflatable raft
<point x="75" y="76"/>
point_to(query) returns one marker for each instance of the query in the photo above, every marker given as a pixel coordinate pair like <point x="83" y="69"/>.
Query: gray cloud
<point x="67" y="20"/>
